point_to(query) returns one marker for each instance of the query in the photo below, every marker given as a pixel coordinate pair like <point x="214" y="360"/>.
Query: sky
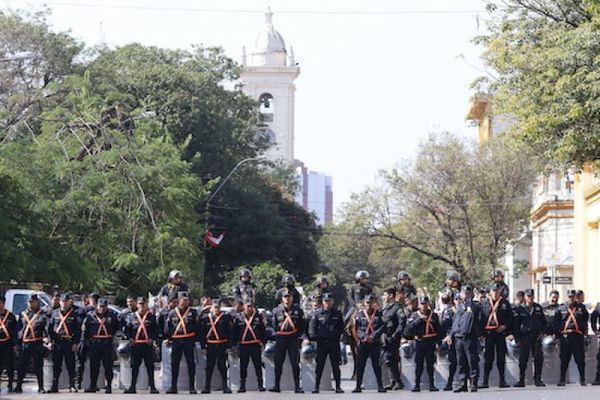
<point x="377" y="76"/>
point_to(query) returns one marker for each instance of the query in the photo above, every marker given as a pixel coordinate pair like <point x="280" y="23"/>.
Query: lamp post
<point x="211" y="198"/>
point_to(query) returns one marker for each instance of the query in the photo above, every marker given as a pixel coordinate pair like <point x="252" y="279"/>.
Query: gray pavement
<point x="570" y="392"/>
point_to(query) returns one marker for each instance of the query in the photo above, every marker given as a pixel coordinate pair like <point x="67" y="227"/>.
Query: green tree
<point x="543" y="57"/>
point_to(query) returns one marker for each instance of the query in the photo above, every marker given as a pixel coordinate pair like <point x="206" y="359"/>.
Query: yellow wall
<point x="587" y="235"/>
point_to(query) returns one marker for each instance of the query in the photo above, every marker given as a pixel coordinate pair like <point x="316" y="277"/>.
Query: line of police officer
<point x="377" y="331"/>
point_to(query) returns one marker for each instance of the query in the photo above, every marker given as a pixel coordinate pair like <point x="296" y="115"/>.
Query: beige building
<point x="587" y="234"/>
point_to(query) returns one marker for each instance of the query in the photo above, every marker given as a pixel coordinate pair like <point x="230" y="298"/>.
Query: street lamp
<point x="20" y="56"/>
<point x="213" y="194"/>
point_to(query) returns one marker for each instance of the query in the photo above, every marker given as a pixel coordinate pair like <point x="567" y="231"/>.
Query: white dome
<point x="269" y="48"/>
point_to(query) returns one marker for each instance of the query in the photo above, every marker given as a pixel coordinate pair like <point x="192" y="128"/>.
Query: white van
<point x="16" y="299"/>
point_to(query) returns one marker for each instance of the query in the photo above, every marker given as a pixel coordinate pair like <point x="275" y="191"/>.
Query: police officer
<point x="358" y="292"/>
<point x="497" y="323"/>
<point x="32" y="330"/>
<point x="424" y="326"/>
<point x="550" y="308"/>
<point x="403" y="283"/>
<point x="452" y="282"/>
<point x="174" y="283"/>
<point x="595" y="323"/>
<point x="183" y="332"/>
<point x="289" y="326"/>
<point x="54" y="304"/>
<point x="369" y="328"/>
<point x="394" y="318"/>
<point x="323" y="286"/>
<point x="529" y="328"/>
<point x="90" y="302"/>
<point x="464" y="335"/>
<point x="245" y="289"/>
<point x="288" y="283"/>
<point x="326" y="327"/>
<point x="448" y="299"/>
<point x="99" y="328"/>
<point x="162" y="317"/>
<point x="498" y="279"/>
<point x="64" y="330"/>
<point x="132" y="307"/>
<point x="215" y="332"/>
<point x="249" y="333"/>
<point x="8" y="342"/>
<point x="141" y="328"/>
<point x="571" y="323"/>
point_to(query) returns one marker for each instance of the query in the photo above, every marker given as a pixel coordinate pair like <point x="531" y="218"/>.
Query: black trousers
<point x="216" y="354"/>
<point x="329" y="348"/>
<point x="453" y="363"/>
<point x="468" y="359"/>
<point x="7" y="361"/>
<point x="391" y="358"/>
<point x="290" y="346"/>
<point x="424" y="353"/>
<point x="495" y="345"/>
<point x="366" y="350"/>
<point x="572" y="345"/>
<point x="82" y="357"/>
<point x="531" y="344"/>
<point x="34" y="352"/>
<point x="178" y="348"/>
<point x="101" y="352"/>
<point x="139" y="353"/>
<point x="63" y="350"/>
<point x="250" y="352"/>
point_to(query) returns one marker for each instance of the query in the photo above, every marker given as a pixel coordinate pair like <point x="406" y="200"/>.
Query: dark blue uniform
<point x="595" y="322"/>
<point x="183" y="331"/>
<point x="32" y="330"/>
<point x="425" y="328"/>
<point x="8" y="341"/>
<point x="369" y="328"/>
<point x="142" y="330"/>
<point x="289" y="327"/>
<point x="98" y="331"/>
<point x="465" y="333"/>
<point x="326" y="328"/>
<point x="215" y="335"/>
<point x="84" y="346"/>
<point x="571" y="324"/>
<point x="394" y="317"/>
<point x="249" y="333"/>
<point x="529" y="328"/>
<point x="446" y="321"/>
<point x="496" y="314"/>
<point x="64" y="329"/>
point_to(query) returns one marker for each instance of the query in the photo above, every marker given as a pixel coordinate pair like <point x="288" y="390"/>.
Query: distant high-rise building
<point x="268" y="75"/>
<point x="315" y="193"/>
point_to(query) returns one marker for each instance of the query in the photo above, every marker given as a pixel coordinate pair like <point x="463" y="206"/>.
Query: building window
<point x="267" y="106"/>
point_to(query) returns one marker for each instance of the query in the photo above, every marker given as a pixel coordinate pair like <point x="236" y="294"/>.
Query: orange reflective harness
<point x="182" y="325"/>
<point x="370" y="321"/>
<point x="492" y="322"/>
<point x="429" y="330"/>
<point x="571" y="318"/>
<point x="141" y="330"/>
<point x="101" y="332"/>
<point x="63" y="324"/>
<point x="213" y="329"/>
<point x="29" y="330"/>
<point x="287" y="322"/>
<point x="3" y="327"/>
<point x="248" y="328"/>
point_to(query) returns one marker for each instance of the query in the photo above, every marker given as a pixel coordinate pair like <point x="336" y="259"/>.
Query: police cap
<point x="327" y="297"/>
<point x="183" y="295"/>
<point x="248" y="301"/>
<point x="103" y="302"/>
<point x="466" y="289"/>
<point x="369" y="298"/>
<point x="423" y="300"/>
<point x="529" y="292"/>
<point x="65" y="296"/>
<point x="172" y="296"/>
<point x="215" y="301"/>
<point x="580" y="292"/>
<point x="496" y="286"/>
<point x="571" y="293"/>
<point x="141" y="300"/>
<point x="498" y="272"/>
<point x="33" y="297"/>
<point x="520" y="293"/>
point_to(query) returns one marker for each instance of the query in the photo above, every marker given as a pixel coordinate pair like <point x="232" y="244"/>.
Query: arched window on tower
<point x="267" y="106"/>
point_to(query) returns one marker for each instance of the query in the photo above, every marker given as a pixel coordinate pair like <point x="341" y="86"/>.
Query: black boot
<point x="242" y="388"/>
<point x="206" y="389"/>
<point x="521" y="382"/>
<point x="448" y="386"/>
<point x="462" y="388"/>
<point x="503" y="383"/>
<point x="485" y="383"/>
<point x="131" y="390"/>
<point x="172" y="390"/>
<point x="432" y="387"/>
<point x="358" y="388"/>
<point x="417" y="387"/>
<point x="54" y="388"/>
<point x="153" y="390"/>
<point x="595" y="383"/>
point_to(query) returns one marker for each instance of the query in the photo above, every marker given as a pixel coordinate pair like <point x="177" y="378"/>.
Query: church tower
<point x="268" y="74"/>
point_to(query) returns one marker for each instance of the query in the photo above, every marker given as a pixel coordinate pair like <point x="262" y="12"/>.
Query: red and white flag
<point x="212" y="240"/>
